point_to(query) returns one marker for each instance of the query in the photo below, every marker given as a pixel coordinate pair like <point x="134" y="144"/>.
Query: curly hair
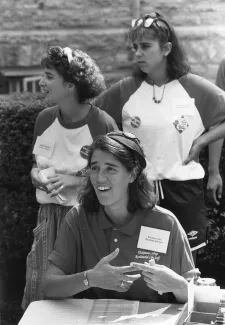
<point x="163" y="31"/>
<point x="141" y="191"/>
<point x="82" y="71"/>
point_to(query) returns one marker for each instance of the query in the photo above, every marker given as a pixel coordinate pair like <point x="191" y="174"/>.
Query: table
<point x="102" y="311"/>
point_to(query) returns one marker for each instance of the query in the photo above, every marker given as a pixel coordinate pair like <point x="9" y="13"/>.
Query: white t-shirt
<point x="67" y="145"/>
<point x="167" y="129"/>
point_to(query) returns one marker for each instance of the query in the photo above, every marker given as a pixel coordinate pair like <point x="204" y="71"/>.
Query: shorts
<point x="50" y="217"/>
<point x="186" y="200"/>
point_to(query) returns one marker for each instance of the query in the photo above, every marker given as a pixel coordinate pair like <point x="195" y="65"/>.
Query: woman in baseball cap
<point x="117" y="243"/>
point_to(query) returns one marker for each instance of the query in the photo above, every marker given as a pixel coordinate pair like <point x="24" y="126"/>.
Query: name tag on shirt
<point x="183" y="106"/>
<point x="153" y="239"/>
<point x="44" y="147"/>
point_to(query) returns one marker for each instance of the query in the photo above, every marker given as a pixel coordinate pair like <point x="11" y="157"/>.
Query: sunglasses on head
<point x="147" y="20"/>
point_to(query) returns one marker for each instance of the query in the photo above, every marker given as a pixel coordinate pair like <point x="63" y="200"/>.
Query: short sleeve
<point x="109" y="101"/>
<point x="209" y="99"/>
<point x="220" y="77"/>
<point x="109" y="122"/>
<point x="44" y="119"/>
<point x="66" y="253"/>
<point x="182" y="260"/>
<point x="100" y="122"/>
<point x="113" y="99"/>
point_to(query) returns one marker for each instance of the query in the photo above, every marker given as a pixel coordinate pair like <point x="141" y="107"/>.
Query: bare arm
<point x="182" y="294"/>
<point x="58" y="284"/>
<point x="215" y="183"/>
<point x="162" y="279"/>
<point x="214" y="134"/>
<point x="103" y="275"/>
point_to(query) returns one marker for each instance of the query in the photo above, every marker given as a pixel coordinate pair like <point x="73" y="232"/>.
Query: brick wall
<point x="99" y="27"/>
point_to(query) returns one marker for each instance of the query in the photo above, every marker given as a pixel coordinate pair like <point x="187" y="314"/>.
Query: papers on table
<point x="100" y="311"/>
<point x="78" y="311"/>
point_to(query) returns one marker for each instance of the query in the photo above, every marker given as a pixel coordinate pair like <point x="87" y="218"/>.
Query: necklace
<point x="157" y="101"/>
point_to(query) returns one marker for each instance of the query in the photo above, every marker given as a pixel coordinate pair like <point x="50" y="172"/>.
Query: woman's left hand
<point x="60" y="182"/>
<point x="194" y="153"/>
<point x="161" y="278"/>
<point x="214" y="187"/>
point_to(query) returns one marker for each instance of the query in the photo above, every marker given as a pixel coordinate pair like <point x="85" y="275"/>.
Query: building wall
<point x="99" y="27"/>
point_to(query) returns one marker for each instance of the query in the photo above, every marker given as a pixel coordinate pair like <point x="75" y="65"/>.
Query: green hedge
<point x="18" y="207"/>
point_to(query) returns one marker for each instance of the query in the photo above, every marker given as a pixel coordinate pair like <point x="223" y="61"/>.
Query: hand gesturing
<point x="106" y="276"/>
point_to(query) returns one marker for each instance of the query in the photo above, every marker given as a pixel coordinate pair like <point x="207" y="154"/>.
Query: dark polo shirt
<point x="85" y="238"/>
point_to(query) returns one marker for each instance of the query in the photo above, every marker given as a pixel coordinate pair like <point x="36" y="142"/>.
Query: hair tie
<point x="68" y="52"/>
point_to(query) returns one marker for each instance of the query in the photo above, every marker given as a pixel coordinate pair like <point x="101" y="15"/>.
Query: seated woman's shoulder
<point x="76" y="212"/>
<point x="162" y="214"/>
<point x="79" y="218"/>
<point x="164" y="211"/>
<point x="161" y="218"/>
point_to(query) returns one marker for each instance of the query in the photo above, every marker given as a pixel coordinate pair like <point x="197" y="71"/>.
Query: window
<point x="20" y="79"/>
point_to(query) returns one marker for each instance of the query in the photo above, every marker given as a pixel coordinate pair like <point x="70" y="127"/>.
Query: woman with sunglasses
<point x="62" y="136"/>
<point x="117" y="244"/>
<point x="174" y="114"/>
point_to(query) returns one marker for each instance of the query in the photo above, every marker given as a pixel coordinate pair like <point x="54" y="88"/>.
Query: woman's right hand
<point x="161" y="278"/>
<point x="106" y="276"/>
<point x="36" y="181"/>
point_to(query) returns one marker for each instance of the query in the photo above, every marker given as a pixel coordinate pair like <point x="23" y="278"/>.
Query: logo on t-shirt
<point x="181" y="124"/>
<point x="135" y="121"/>
<point x="84" y="152"/>
<point x="144" y="256"/>
<point x="192" y="235"/>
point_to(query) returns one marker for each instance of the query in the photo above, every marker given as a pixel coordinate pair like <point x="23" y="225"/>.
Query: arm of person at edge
<point x="212" y="135"/>
<point x="162" y="279"/>
<point x="56" y="183"/>
<point x="103" y="275"/>
<point x="215" y="182"/>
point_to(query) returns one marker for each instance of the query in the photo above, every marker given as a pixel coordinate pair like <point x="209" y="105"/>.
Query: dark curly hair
<point x="163" y="31"/>
<point x="141" y="191"/>
<point x="82" y="71"/>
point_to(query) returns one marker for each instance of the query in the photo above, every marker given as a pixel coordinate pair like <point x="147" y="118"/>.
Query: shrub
<point x="18" y="210"/>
